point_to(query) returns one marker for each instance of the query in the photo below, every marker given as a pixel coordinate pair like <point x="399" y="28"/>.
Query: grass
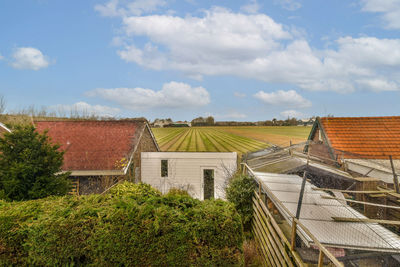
<point x="241" y="139"/>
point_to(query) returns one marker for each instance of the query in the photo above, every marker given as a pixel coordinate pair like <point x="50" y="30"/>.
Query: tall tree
<point x="30" y="165"/>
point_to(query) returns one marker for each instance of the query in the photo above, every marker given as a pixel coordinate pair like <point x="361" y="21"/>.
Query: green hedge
<point x="240" y="192"/>
<point x="132" y="225"/>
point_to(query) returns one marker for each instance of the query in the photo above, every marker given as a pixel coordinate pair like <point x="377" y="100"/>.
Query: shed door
<point x="208" y="180"/>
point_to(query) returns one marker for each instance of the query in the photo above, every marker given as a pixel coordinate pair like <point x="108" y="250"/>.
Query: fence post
<point x="321" y="258"/>
<point x="293" y="237"/>
<point x="395" y="178"/>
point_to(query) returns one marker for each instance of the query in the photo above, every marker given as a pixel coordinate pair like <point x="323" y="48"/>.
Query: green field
<point x="223" y="139"/>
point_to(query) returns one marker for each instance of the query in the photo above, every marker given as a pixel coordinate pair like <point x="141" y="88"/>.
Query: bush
<point x="29" y="164"/>
<point x="177" y="191"/>
<point x="240" y="192"/>
<point x="129" y="229"/>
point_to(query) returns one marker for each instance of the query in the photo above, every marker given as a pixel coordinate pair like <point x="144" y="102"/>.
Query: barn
<point x="100" y="153"/>
<point x="203" y="174"/>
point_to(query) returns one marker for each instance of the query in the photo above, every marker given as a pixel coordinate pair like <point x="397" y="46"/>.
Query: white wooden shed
<point x="202" y="174"/>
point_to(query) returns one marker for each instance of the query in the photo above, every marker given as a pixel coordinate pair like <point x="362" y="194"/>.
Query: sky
<point x="235" y="60"/>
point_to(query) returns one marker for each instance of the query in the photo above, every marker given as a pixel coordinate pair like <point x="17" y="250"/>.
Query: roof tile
<point x="93" y="145"/>
<point x="369" y="137"/>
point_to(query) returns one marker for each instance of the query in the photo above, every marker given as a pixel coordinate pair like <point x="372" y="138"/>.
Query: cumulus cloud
<point x="222" y="42"/>
<point x="240" y="95"/>
<point x="85" y="109"/>
<point x="29" y="58"/>
<point x="172" y="95"/>
<point x="390" y="10"/>
<point x="291" y="114"/>
<point x="283" y="98"/>
<point x="252" y="7"/>
<point x="115" y="8"/>
<point x="290" y="5"/>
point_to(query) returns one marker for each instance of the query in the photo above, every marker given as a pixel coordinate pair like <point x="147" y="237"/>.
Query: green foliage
<point x="132" y="190"/>
<point x="121" y="228"/>
<point x="240" y="192"/>
<point x="28" y="166"/>
<point x="177" y="191"/>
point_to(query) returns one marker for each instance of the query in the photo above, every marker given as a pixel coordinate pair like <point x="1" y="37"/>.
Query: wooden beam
<point x="353" y="191"/>
<point x="365" y="220"/>
<point x="293" y="235"/>
<point x="395" y="178"/>
<point x="270" y="231"/>
<point x="363" y="202"/>
<point x="321" y="259"/>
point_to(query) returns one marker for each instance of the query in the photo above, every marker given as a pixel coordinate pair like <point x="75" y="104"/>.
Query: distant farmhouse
<point x="100" y="153"/>
<point x="3" y="129"/>
<point x="306" y="122"/>
<point x="179" y="124"/>
<point x="160" y="123"/>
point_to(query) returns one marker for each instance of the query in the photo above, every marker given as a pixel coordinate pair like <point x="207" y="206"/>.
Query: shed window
<point x="164" y="168"/>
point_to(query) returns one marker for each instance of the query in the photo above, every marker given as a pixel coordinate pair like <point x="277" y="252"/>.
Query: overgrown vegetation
<point x="240" y="192"/>
<point x="29" y="164"/>
<point x="131" y="225"/>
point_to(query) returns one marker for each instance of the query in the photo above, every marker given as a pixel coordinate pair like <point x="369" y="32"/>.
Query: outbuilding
<point x="100" y="153"/>
<point x="203" y="175"/>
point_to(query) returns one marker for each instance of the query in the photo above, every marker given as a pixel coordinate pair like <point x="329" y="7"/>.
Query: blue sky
<point x="235" y="60"/>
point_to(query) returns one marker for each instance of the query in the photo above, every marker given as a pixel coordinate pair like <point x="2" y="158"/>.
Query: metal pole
<point x="294" y="224"/>
<point x="395" y="178"/>
<point x="303" y="184"/>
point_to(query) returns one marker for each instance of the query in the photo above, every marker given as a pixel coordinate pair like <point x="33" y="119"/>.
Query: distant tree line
<point x="210" y="121"/>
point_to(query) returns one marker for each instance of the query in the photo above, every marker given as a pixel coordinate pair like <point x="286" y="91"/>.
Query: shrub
<point x="240" y="192"/>
<point x="177" y="191"/>
<point x="123" y="229"/>
<point x="29" y="164"/>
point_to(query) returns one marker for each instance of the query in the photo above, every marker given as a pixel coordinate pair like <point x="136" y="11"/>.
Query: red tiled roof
<point x="93" y="145"/>
<point x="369" y="137"/>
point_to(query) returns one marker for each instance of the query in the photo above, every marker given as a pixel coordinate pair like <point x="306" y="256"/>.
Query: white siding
<point x="185" y="170"/>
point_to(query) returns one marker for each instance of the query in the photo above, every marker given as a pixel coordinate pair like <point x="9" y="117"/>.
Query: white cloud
<point x="83" y="108"/>
<point x="172" y="95"/>
<point x="291" y="114"/>
<point x="1" y="57"/>
<point x="29" y="58"/>
<point x="290" y="5"/>
<point x="221" y="42"/>
<point x="115" y="8"/>
<point x="231" y="115"/>
<point x="252" y="7"/>
<point x="240" y="95"/>
<point x="390" y="10"/>
<point x="283" y="98"/>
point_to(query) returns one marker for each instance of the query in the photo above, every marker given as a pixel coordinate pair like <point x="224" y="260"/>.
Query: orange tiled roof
<point x="369" y="137"/>
<point x="92" y="145"/>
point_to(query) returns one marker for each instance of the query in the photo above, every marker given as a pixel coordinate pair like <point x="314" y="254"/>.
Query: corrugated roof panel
<point x="317" y="212"/>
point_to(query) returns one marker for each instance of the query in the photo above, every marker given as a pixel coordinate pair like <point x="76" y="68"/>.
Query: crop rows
<point x="204" y="139"/>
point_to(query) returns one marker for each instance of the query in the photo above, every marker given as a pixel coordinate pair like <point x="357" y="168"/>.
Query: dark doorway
<point x="208" y="176"/>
